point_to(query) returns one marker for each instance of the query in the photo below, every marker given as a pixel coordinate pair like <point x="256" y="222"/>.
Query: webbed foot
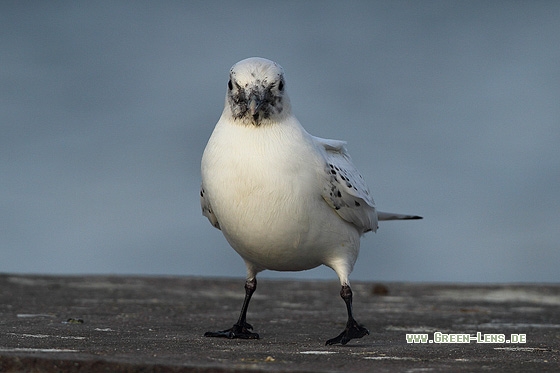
<point x="352" y="330"/>
<point x="236" y="331"/>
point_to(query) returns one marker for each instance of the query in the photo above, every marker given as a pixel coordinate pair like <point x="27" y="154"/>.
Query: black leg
<point x="241" y="328"/>
<point x="353" y="329"/>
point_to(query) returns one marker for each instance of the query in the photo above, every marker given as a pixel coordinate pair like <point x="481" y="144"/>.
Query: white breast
<point x="264" y="185"/>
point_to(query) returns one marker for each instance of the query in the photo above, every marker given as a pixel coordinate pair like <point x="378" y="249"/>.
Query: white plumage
<point x="284" y="199"/>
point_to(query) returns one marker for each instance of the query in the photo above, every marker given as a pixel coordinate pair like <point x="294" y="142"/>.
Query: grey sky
<point x="450" y="110"/>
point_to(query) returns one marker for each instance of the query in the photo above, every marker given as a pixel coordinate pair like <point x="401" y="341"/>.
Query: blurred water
<point x="449" y="108"/>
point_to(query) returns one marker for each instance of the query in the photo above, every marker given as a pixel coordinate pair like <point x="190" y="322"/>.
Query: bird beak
<point x="255" y="104"/>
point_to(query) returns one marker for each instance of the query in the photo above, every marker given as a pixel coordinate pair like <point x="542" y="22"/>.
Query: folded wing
<point x="207" y="208"/>
<point x="345" y="189"/>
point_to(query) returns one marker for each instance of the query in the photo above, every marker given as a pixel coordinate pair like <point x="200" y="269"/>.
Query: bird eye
<point x="281" y="85"/>
<point x="230" y="85"/>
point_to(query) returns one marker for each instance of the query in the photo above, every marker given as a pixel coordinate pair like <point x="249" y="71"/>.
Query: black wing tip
<point x="415" y="217"/>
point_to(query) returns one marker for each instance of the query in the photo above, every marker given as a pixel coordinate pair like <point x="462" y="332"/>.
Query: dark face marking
<point x="256" y="102"/>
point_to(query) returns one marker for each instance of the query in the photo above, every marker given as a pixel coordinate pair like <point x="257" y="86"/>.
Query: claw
<point x="236" y="331"/>
<point x="352" y="330"/>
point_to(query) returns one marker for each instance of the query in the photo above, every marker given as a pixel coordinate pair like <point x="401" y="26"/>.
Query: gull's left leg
<point x="241" y="329"/>
<point x="353" y="329"/>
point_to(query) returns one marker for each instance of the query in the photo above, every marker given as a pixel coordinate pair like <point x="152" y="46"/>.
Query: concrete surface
<point x="156" y="324"/>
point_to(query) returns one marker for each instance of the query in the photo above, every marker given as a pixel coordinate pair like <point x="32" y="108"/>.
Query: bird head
<point x="256" y="92"/>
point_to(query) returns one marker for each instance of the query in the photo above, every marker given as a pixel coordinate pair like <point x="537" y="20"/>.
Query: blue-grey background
<point x="451" y="110"/>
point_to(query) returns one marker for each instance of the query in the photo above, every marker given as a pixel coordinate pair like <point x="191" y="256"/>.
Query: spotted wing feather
<point x="207" y="209"/>
<point x="345" y="189"/>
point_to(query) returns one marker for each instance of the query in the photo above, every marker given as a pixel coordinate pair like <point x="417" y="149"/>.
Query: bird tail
<point x="392" y="216"/>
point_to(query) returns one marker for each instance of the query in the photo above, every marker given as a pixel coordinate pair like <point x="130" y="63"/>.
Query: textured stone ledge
<point x="156" y="324"/>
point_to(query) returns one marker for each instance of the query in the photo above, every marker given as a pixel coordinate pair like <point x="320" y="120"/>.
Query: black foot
<point x="236" y="331"/>
<point x="353" y="330"/>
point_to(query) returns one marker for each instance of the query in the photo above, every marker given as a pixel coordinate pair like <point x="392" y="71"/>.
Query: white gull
<point x="285" y="200"/>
